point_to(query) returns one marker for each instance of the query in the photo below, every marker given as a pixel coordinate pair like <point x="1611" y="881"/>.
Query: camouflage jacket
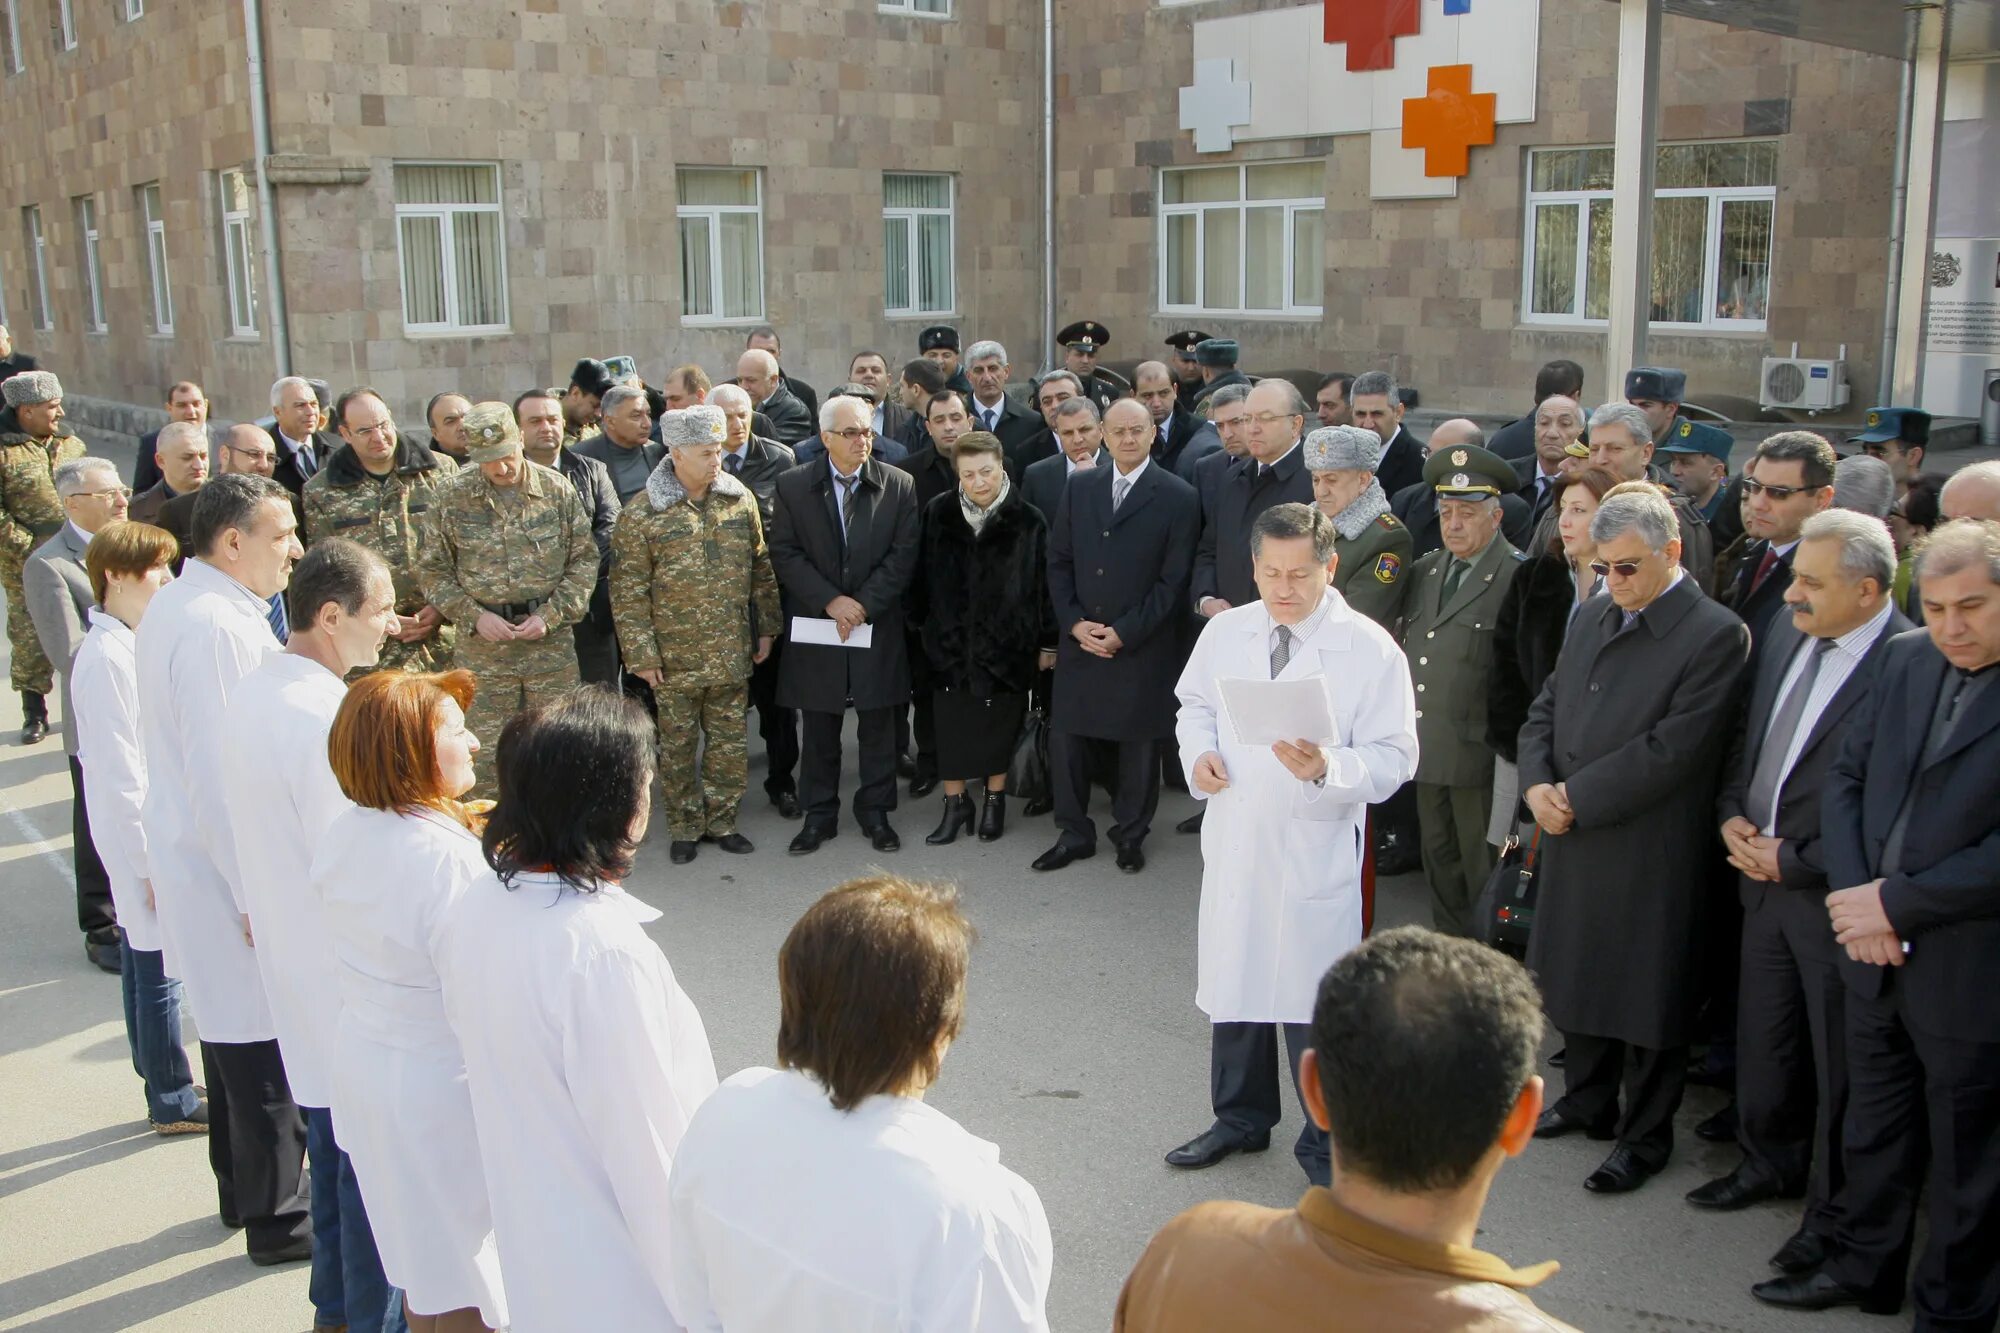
<point x="487" y="548"/>
<point x="30" y="511"/>
<point x="385" y="514"/>
<point x="692" y="585"/>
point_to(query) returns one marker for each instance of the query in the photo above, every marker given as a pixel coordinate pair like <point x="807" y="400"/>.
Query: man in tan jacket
<point x="1422" y="1070"/>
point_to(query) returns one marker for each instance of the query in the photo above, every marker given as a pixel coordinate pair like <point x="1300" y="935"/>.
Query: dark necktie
<point x="1784" y="728"/>
<point x="987" y="416"/>
<point x="1764" y="568"/>
<point x="1453" y="576"/>
<point x="847" y="489"/>
<point x="281" y="625"/>
<point x="1282" y="654"/>
<point x="734" y="462"/>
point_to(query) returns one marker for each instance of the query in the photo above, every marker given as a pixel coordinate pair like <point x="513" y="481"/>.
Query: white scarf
<point x="975" y="517"/>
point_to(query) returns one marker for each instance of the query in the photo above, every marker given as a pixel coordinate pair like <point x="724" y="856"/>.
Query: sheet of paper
<point x="1264" y="712"/>
<point x="810" y="629"/>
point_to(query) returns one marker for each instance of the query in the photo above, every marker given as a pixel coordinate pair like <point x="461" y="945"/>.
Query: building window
<point x="454" y="262"/>
<point x="916" y="243"/>
<point x="924" y="8"/>
<point x="1713" y="206"/>
<point x="93" y="264"/>
<point x="1246" y="240"/>
<point x="239" y="254"/>
<point x="156" y="257"/>
<point x="36" y="244"/>
<point x="134" y="10"/>
<point x="66" y="24"/>
<point x="722" y="244"/>
<point x="12" y="33"/>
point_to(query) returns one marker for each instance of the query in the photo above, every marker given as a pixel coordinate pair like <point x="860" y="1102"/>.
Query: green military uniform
<point x="30" y="513"/>
<point x="692" y="588"/>
<point x="1373" y="566"/>
<point x="1448" y="618"/>
<point x="518" y="551"/>
<point x="386" y="514"/>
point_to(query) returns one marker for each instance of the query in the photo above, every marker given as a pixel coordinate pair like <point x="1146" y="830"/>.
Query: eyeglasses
<point x="261" y="455"/>
<point x="1273" y="418"/>
<point x="1754" y="487"/>
<point x="377" y="431"/>
<point x="1625" y="569"/>
<point x="853" y="434"/>
<point x="125" y="491"/>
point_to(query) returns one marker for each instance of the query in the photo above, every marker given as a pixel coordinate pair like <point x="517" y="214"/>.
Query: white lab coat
<point x="889" y="1218"/>
<point x="1281" y="858"/>
<point x="104" y="694"/>
<point x="275" y="742"/>
<point x="202" y="634"/>
<point x="401" y="1106"/>
<point x="586" y="1060"/>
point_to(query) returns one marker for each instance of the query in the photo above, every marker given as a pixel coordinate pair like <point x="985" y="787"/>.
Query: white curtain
<point x="423" y="271"/>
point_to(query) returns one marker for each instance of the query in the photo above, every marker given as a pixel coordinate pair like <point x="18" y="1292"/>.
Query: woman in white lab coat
<point x="584" y="1056"/>
<point x="388" y="872"/>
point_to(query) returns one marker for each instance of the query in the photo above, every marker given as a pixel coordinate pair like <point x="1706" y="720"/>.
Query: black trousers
<point x="918" y="721"/>
<point x="819" y="765"/>
<point x="1909" y="1085"/>
<point x="596" y="653"/>
<point x="1654" y="1081"/>
<point x="256" y="1144"/>
<point x="778" y="727"/>
<point x="1135" y="786"/>
<point x="1243" y="1087"/>
<point x="94" y="914"/>
<point x="1791" y="1053"/>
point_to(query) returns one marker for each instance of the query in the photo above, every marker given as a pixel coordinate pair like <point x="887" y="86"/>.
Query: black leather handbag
<point x="1028" y="771"/>
<point x="1505" y="915"/>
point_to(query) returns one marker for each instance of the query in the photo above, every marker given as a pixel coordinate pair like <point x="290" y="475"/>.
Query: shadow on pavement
<point x="129" y="1308"/>
<point x="58" y="1160"/>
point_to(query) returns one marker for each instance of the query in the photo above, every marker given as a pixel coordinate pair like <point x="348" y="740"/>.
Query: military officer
<point x="1450" y="602"/>
<point x="696" y="602"/>
<point x="1657" y="391"/>
<point x="1081" y="342"/>
<point x="377" y="490"/>
<point x="1373" y="545"/>
<point x="1898" y="436"/>
<point x="1186" y="370"/>
<point x="1216" y="358"/>
<point x="32" y="443"/>
<point x="508" y="555"/>
<point x="938" y="344"/>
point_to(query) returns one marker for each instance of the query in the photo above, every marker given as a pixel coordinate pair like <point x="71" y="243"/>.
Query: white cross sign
<point x="1213" y="105"/>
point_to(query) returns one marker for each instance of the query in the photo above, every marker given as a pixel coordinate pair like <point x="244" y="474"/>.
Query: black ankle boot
<point x="957" y="819"/>
<point x="34" y="717"/>
<point x="993" y="816"/>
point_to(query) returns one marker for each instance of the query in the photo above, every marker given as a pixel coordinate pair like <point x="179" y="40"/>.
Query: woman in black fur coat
<point x="987" y="628"/>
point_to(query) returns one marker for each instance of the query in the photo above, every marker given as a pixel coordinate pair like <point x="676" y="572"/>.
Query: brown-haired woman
<point x="388" y="871"/>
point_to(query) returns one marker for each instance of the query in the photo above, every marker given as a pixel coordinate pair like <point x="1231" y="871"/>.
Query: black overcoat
<point x="982" y="600"/>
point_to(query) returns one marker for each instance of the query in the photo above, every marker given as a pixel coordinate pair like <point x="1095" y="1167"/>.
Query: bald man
<point x="1972" y="492"/>
<point x="1417" y="504"/>
<point x="1180" y="438"/>
<point x="757" y="373"/>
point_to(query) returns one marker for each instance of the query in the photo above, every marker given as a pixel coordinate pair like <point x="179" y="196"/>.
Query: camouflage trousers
<point x="511" y="676"/>
<point x="704" y="758"/>
<point x="28" y="667"/>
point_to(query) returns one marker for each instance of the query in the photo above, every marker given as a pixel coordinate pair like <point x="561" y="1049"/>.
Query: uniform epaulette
<point x="1390" y="521"/>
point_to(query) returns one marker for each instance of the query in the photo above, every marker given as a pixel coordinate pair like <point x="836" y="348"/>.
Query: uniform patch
<point x="1387" y="568"/>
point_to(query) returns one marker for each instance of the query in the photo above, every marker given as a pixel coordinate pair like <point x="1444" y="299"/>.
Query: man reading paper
<point x="1282" y="844"/>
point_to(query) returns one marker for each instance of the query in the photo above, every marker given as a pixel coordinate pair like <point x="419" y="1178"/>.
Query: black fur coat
<point x="982" y="603"/>
<point x="1527" y="636"/>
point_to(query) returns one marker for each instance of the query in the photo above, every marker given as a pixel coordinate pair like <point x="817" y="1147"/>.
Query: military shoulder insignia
<point x="1519" y="556"/>
<point x="1390" y="521"/>
<point x="1687" y="429"/>
<point x="1459" y="458"/>
<point x="1387" y="568"/>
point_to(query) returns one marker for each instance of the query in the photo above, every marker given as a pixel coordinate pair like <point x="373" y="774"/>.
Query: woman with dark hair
<point x="584" y="1057"/>
<point x="388" y="871"/>
<point x="1911" y="519"/>
<point x="982" y="606"/>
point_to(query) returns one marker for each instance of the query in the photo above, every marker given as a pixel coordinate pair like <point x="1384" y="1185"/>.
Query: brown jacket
<point x="1319" y="1267"/>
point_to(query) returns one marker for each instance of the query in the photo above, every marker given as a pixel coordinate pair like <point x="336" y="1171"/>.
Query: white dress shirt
<point x="104" y="687"/>
<point x="1841" y="661"/>
<point x="980" y="411"/>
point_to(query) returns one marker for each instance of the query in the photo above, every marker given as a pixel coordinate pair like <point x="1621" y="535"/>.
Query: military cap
<point x="1691" y="437"/>
<point x="491" y="433"/>
<point x="692" y="425"/>
<point x="322" y="393"/>
<point x="1086" y="334"/>
<point x="1467" y="472"/>
<point x="1218" y="352"/>
<point x="592" y="376"/>
<point x="31" y="386"/>
<point x="936" y="336"/>
<point x="1659" y="384"/>
<point x="1343" y="449"/>
<point x="1907" y="424"/>
<point x="1185" y="341"/>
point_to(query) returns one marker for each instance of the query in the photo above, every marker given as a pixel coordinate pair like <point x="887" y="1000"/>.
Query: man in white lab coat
<point x="1282" y="843"/>
<point x="343" y="604"/>
<point x="203" y="634"/>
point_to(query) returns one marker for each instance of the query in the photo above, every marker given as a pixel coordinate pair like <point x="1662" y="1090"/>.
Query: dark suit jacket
<point x="177" y="517"/>
<point x="1189" y="440"/>
<point x="1208" y="474"/>
<point x="1515" y="440"/>
<point x="290" y="472"/>
<point x="1756" y="610"/>
<point x="1417" y="506"/>
<point x="930" y="473"/>
<point x="1538" y="500"/>
<point x="1402" y="464"/>
<point x="1019" y="429"/>
<point x="146" y="466"/>
<point x="874" y="566"/>
<point x="1046" y="480"/>
<point x="1222" y="564"/>
<point x="145" y="506"/>
<point x="764" y="461"/>
<point x="791" y="420"/>
<point x="1945" y="900"/>
<point x="802" y="391"/>
<point x="1128" y="570"/>
<point x="600" y="501"/>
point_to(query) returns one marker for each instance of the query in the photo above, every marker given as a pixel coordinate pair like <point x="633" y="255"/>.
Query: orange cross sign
<point x="1448" y="120"/>
<point x="1370" y="29"/>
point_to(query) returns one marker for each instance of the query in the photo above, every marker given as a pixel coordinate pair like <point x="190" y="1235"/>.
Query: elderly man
<point x="12" y="361"/>
<point x="624" y="442"/>
<point x="445" y="415"/>
<point x="1417" y="505"/>
<point x="1022" y="433"/>
<point x="1792" y="481"/>
<point x="538" y="412"/>
<point x="1899" y="436"/>
<point x="697" y="607"/>
<point x="1216" y="358"/>
<point x="1657" y="392"/>
<point x="376" y="489"/>
<point x="1281" y="849"/>
<point x="1619" y="761"/>
<point x="1911" y="829"/>
<point x="185" y="402"/>
<point x="1864" y="485"/>
<point x="1274" y="473"/>
<point x="582" y="401"/>
<point x="33" y="444"/>
<point x="303" y="447"/>
<point x="1331" y="399"/>
<point x="757" y="372"/>
<point x="882" y="447"/>
<point x="183" y="456"/>
<point x="1972" y="492"/>
<point x="1450" y="603"/>
<point x="1557" y="424"/>
<point x="1187" y="371"/>
<point x="1621" y="445"/>
<point x="765" y="338"/>
<point x="56" y="588"/>
<point x="1081" y="435"/>
<point x="1229" y="412"/>
<point x="1515" y="441"/>
<point x="1377" y="404"/>
<point x="1180" y="438"/>
<point x="508" y="555"/>
<point x="1371" y="544"/>
<point x="203" y="634"/>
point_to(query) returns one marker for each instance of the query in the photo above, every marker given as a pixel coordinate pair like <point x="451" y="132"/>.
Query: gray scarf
<point x="975" y="517"/>
<point x="1368" y="506"/>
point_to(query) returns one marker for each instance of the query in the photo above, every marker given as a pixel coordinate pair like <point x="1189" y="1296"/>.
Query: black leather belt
<point x="513" y="611"/>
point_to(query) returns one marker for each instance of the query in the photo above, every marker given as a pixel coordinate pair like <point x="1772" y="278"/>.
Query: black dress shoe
<point x="1212" y="1145"/>
<point x="788" y="804"/>
<point x="296" y="1252"/>
<point x="924" y="782"/>
<point x="1192" y="824"/>
<point x="1396" y="855"/>
<point x="735" y="844"/>
<point x="680" y="852"/>
<point x="1060" y="855"/>
<point x="1556" y="1122"/>
<point x="1817" y="1291"/>
<point x="34" y="731"/>
<point x="906" y="766"/>
<point x="1720" y="1127"/>
<point x="957" y="818"/>
<point x="883" y="838"/>
<point x="1131" y="859"/>
<point x="810" y="837"/>
<point x="107" y="954"/>
<point x="1739" y="1189"/>
<point x="1623" y="1171"/>
<point x="993" y="816"/>
<point x="1804" y="1252"/>
<point x="1041" y="805"/>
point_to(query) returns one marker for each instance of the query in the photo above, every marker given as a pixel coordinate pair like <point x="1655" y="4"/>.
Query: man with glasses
<point x="1620" y="759"/>
<point x="1789" y="480"/>
<point x="244" y="449"/>
<point x="1621" y="443"/>
<point x="1273" y="474"/>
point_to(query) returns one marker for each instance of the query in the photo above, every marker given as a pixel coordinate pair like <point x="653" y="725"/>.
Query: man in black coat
<point x="791" y="420"/>
<point x="539" y="415"/>
<point x="1229" y="413"/>
<point x="185" y="402"/>
<point x="1620" y="761"/>
<point x="1180" y="438"/>
<point x="1793" y="480"/>
<point x="1911" y="829"/>
<point x="993" y="409"/>
<point x="1377" y="405"/>
<point x="12" y="363"/>
<point x="1081" y="435"/>
<point x="1120" y="554"/>
<point x="1217" y="359"/>
<point x="932" y="473"/>
<point x="1559" y="421"/>
<point x="929" y="464"/>
<point x="765" y="337"/>
<point x="303" y="448"/>
<point x="1515" y="441"/>
<point x="1274" y="473"/>
<point x="844" y="543"/>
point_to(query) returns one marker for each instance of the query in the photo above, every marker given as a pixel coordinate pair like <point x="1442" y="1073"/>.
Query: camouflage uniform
<point x="691" y="589"/>
<point x="30" y="513"/>
<point x="387" y="515"/>
<point x="519" y="551"/>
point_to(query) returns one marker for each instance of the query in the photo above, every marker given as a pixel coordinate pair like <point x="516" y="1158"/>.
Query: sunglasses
<point x="1625" y="569"/>
<point x="1754" y="487"/>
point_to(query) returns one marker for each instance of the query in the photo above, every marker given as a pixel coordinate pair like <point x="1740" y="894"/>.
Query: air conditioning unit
<point x="1804" y="384"/>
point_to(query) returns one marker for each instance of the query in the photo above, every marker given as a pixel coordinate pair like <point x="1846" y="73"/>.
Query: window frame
<point x="90" y="244"/>
<point x="154" y="226"/>
<point x="1717" y="197"/>
<point x="446" y="215"/>
<point x="35" y="237"/>
<point x="1242" y="205"/>
<point x="909" y="216"/>
<point x="713" y="213"/>
<point x="908" y="9"/>
<point x="239" y="221"/>
<point x="65" y="25"/>
<point x="134" y="10"/>
<point x="16" y="61"/>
